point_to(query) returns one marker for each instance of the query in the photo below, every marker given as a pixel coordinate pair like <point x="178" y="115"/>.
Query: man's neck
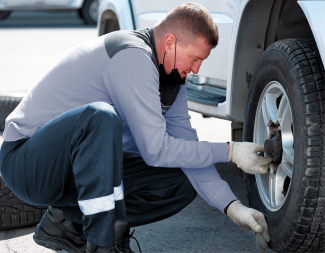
<point x="159" y="46"/>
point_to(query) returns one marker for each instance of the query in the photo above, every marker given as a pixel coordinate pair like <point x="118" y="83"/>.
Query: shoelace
<point x="126" y="242"/>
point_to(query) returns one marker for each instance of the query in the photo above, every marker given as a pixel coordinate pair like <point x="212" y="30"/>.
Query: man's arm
<point x="132" y="82"/>
<point x="205" y="181"/>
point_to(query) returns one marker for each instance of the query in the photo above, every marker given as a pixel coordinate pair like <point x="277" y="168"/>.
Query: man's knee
<point x="103" y="114"/>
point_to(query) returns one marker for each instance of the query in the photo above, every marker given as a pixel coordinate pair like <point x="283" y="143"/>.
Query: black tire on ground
<point x="86" y="12"/>
<point x="300" y="224"/>
<point x="80" y="13"/>
<point x="7" y="104"/>
<point x="4" y="14"/>
<point x="16" y="213"/>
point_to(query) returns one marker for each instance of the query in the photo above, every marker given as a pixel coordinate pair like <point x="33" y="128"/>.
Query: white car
<point x="87" y="9"/>
<point x="266" y="76"/>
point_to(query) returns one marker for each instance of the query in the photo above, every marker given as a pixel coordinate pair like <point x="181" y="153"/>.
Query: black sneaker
<point x="122" y="240"/>
<point x="56" y="233"/>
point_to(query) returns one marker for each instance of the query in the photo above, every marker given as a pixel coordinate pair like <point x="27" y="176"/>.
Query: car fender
<point x="314" y="11"/>
<point x="120" y="9"/>
<point x="246" y="46"/>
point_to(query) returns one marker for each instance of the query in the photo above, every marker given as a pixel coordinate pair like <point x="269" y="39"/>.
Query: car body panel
<point x="120" y="8"/>
<point x="40" y="4"/>
<point x="315" y="13"/>
<point x="249" y="31"/>
<point x="246" y="47"/>
<point x="14" y="4"/>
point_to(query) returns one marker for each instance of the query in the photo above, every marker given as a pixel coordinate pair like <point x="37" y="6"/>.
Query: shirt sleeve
<point x="206" y="181"/>
<point x="132" y="82"/>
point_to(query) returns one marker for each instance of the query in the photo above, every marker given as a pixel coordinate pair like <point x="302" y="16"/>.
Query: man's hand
<point x="243" y="154"/>
<point x="251" y="220"/>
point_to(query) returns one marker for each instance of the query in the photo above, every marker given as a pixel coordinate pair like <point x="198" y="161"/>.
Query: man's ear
<point x="169" y="41"/>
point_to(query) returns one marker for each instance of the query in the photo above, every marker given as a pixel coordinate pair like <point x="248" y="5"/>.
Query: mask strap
<point x="175" y="53"/>
<point x="164" y="58"/>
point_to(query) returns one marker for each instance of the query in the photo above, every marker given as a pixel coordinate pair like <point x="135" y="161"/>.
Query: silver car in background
<point x="87" y="9"/>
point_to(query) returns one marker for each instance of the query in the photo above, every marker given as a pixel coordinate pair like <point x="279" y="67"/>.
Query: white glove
<point x="251" y="220"/>
<point x="243" y="154"/>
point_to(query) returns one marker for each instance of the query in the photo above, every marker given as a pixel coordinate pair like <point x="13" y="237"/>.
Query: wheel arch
<point x="257" y="25"/>
<point x="115" y="15"/>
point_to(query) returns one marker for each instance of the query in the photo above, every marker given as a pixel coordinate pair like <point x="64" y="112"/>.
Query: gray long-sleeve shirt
<point x="127" y="79"/>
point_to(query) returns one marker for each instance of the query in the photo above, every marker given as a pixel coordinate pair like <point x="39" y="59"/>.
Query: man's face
<point x="189" y="58"/>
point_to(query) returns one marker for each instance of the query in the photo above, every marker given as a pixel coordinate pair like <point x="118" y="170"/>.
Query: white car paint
<point x="315" y="13"/>
<point x="240" y="6"/>
<point x="40" y="4"/>
<point x="122" y="10"/>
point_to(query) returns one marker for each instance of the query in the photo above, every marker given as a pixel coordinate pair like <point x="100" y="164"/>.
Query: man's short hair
<point x="187" y="21"/>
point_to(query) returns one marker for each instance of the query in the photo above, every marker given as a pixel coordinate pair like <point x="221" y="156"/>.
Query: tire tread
<point x="16" y="213"/>
<point x="313" y="202"/>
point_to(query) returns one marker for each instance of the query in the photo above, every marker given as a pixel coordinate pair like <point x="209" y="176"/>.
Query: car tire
<point x="293" y="66"/>
<point x="89" y="12"/>
<point x="16" y="213"/>
<point x="80" y="14"/>
<point x="4" y="14"/>
<point x="7" y="104"/>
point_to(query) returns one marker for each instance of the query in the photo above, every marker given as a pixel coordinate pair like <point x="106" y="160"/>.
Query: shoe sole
<point x="54" y="243"/>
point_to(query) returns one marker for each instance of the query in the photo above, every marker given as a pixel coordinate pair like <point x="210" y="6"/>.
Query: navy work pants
<point x="77" y="162"/>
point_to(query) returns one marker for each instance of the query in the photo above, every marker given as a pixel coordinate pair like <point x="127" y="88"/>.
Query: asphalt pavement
<point x="30" y="42"/>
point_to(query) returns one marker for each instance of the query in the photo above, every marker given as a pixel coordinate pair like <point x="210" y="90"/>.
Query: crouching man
<point x="104" y="138"/>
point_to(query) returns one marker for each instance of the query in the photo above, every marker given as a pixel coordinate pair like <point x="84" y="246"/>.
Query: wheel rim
<point x="93" y="10"/>
<point x="274" y="113"/>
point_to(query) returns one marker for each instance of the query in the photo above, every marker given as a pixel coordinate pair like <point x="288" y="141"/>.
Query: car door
<point x="21" y="4"/>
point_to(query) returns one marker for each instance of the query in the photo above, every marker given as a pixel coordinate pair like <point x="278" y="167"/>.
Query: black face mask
<point x="174" y="77"/>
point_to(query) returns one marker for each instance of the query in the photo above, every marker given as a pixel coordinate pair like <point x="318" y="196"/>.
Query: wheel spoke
<point x="272" y="190"/>
<point x="287" y="168"/>
<point x="282" y="106"/>
<point x="260" y="130"/>
<point x="266" y="115"/>
<point x="288" y="155"/>
<point x="272" y="110"/>
<point x="287" y="135"/>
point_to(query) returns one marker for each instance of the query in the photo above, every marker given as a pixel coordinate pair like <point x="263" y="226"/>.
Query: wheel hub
<point x="273" y="146"/>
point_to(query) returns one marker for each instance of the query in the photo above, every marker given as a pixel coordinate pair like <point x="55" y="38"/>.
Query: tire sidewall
<point x="4" y="14"/>
<point x="274" y="66"/>
<point x="85" y="12"/>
